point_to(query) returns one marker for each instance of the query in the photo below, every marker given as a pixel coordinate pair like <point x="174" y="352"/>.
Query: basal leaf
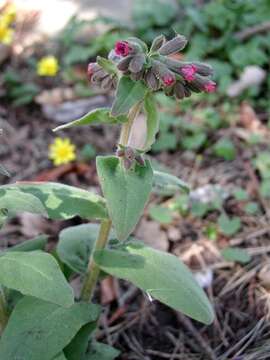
<point x="60" y="201"/>
<point x="38" y="330"/>
<point x="126" y="192"/>
<point x="152" y="120"/>
<point x="37" y="274"/>
<point x="128" y="93"/>
<point x="97" y="116"/>
<point x="163" y="276"/>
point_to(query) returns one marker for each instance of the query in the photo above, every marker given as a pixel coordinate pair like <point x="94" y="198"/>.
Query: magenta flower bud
<point x="168" y="79"/>
<point x="210" y="87"/>
<point x="188" y="72"/>
<point x="122" y="48"/>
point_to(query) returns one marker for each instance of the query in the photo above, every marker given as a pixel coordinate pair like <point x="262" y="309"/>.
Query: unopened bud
<point x="137" y="76"/>
<point x="129" y="153"/>
<point x="188" y="72"/>
<point x="157" y="43"/>
<point x="122" y="48"/>
<point x="106" y="83"/>
<point x="203" y="69"/>
<point x="210" y="87"/>
<point x="151" y="80"/>
<point x="124" y="63"/>
<point x="136" y="63"/>
<point x="179" y="90"/>
<point x="173" y="46"/>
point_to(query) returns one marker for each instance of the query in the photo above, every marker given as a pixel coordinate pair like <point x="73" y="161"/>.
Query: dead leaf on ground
<point x="152" y="235"/>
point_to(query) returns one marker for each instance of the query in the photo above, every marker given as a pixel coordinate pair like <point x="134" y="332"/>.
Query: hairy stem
<point x="93" y="269"/>
<point x="126" y="127"/>
<point x="3" y="312"/>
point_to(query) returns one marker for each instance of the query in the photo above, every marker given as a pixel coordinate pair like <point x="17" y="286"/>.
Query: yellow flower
<point x="62" y="151"/>
<point x="47" y="66"/>
<point x="6" y="34"/>
<point x="9" y="15"/>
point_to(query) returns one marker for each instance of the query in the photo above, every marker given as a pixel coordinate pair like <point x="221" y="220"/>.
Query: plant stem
<point x="93" y="269"/>
<point x="3" y="313"/>
<point x="126" y="127"/>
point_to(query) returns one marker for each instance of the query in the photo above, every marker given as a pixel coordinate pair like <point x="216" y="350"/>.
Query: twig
<point x="246" y="33"/>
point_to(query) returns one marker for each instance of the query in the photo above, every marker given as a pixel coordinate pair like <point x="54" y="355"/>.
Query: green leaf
<point x="37" y="274"/>
<point x="15" y="201"/>
<point x="77" y="348"/>
<point x="126" y="192"/>
<point x="163" y="276"/>
<point x="60" y="356"/>
<point x="236" y="254"/>
<point x="38" y="243"/>
<point x="75" y="245"/>
<point x="161" y="214"/>
<point x="100" y="351"/>
<point x="97" y="116"/>
<point x="168" y="184"/>
<point x="38" y="330"/>
<point x="61" y="201"/>
<point x="128" y="93"/>
<point x="152" y="120"/>
<point x="225" y="148"/>
<point x="229" y="226"/>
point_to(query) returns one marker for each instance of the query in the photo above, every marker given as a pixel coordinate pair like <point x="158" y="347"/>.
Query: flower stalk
<point x="3" y="312"/>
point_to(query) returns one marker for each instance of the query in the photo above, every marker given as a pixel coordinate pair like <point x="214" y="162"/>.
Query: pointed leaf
<point x="126" y="192"/>
<point x="128" y="93"/>
<point x="163" y="276"/>
<point x="97" y="116"/>
<point x="168" y="184"/>
<point x="38" y="243"/>
<point x="61" y="201"/>
<point x="38" y="330"/>
<point x="152" y="120"/>
<point x="37" y="274"/>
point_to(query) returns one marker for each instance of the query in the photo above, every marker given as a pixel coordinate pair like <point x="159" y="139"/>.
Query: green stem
<point x="93" y="269"/>
<point x="126" y="127"/>
<point x="3" y="312"/>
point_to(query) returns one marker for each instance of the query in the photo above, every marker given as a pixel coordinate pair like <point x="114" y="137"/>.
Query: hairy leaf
<point x="97" y="116"/>
<point x="126" y="192"/>
<point x="37" y="274"/>
<point x="163" y="276"/>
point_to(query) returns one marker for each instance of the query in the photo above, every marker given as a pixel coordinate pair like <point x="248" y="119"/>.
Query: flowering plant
<point x="47" y="322"/>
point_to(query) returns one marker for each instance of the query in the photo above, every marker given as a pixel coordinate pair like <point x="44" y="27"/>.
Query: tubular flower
<point x="168" y="80"/>
<point x="210" y="87"/>
<point x="62" y="151"/>
<point x="189" y="72"/>
<point x="48" y="66"/>
<point x="122" y="48"/>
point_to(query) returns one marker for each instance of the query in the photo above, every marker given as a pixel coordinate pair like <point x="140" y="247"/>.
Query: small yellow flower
<point x="6" y="34"/>
<point x="8" y="15"/>
<point x="47" y="66"/>
<point x="62" y="151"/>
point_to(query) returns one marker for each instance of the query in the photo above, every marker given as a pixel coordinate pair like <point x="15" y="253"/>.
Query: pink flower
<point x="189" y="71"/>
<point x="122" y="48"/>
<point x="90" y="70"/>
<point x="210" y="87"/>
<point x="168" y="79"/>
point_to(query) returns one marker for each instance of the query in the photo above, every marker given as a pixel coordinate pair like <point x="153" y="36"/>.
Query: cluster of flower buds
<point x="156" y="67"/>
<point x="130" y="156"/>
<point x="97" y="75"/>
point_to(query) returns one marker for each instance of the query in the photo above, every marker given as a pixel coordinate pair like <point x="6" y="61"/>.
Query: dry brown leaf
<point x="152" y="235"/>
